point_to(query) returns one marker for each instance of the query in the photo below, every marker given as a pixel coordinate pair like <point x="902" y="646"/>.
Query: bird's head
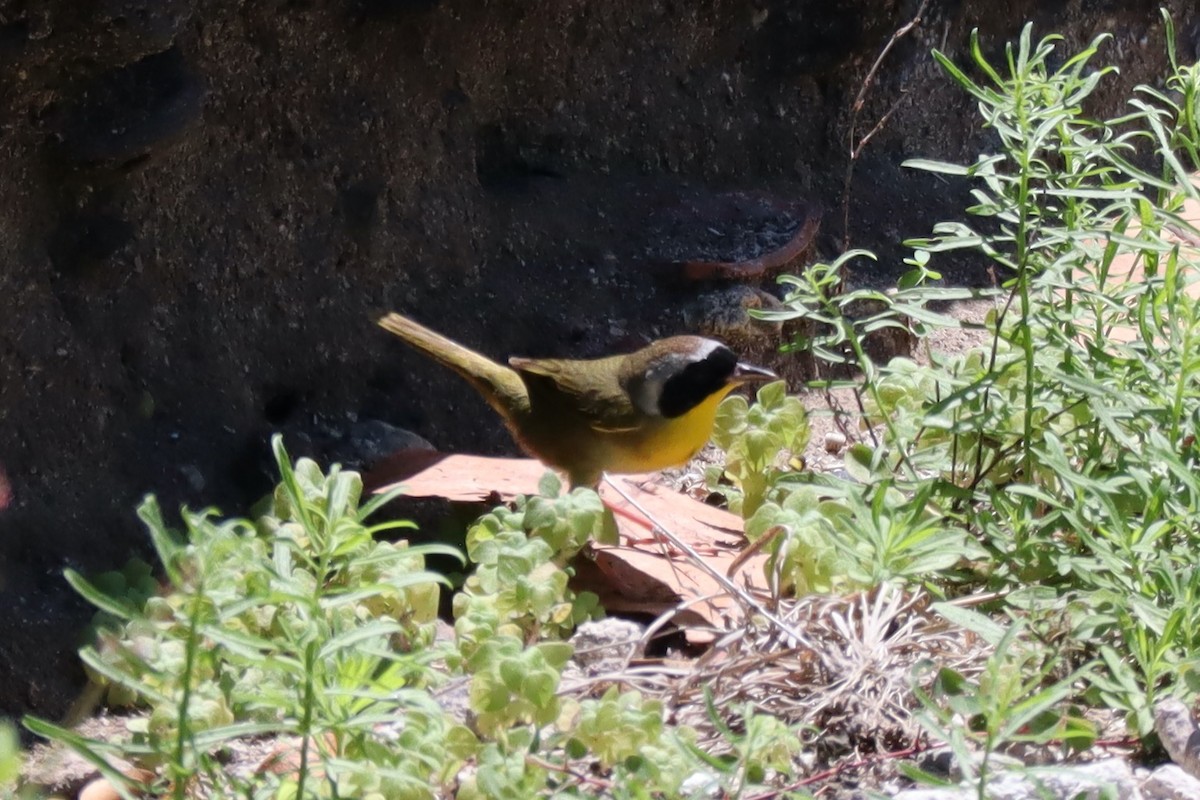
<point x="672" y="376"/>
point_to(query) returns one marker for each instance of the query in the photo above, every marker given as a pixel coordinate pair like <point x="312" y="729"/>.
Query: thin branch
<point x="579" y="777"/>
<point x="856" y="147"/>
<point x="713" y="572"/>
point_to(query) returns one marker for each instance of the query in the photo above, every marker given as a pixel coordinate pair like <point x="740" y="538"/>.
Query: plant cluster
<point x="1051" y="471"/>
<point x="303" y="625"/>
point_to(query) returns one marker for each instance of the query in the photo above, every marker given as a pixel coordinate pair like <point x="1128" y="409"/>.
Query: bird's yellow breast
<point x="663" y="442"/>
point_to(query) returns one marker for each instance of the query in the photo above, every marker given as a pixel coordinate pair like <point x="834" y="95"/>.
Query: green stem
<point x="984" y="768"/>
<point x="1024" y="269"/>
<point x="1181" y="382"/>
<point x="310" y="657"/>
<point x="181" y="772"/>
<point x="871" y="381"/>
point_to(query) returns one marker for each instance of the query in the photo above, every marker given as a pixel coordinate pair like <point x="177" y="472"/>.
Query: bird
<point x="633" y="413"/>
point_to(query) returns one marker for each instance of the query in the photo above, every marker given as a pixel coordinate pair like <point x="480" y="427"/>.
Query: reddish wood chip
<point x="649" y="578"/>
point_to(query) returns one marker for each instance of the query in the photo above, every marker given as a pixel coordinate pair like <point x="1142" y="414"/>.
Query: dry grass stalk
<point x="847" y="684"/>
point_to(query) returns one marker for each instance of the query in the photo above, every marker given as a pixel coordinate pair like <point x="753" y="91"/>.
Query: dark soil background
<point x="206" y="202"/>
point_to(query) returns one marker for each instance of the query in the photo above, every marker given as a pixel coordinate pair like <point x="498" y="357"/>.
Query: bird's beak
<point x="748" y="373"/>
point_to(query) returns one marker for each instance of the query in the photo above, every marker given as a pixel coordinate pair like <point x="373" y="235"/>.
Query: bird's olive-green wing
<point x="591" y="389"/>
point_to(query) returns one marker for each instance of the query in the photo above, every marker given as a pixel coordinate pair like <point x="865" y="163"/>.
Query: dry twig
<point x="856" y="146"/>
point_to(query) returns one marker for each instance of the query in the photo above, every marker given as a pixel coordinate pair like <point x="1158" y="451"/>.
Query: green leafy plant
<point x="1089" y="387"/>
<point x="303" y="623"/>
<point x="1061" y="452"/>
<point x="10" y="755"/>
<point x="804" y="554"/>
<point x="761" y="745"/>
<point x="1013" y="701"/>
<point x="758" y="440"/>
<point x="512" y="683"/>
<point x="304" y="626"/>
<point x="522" y="556"/>
<point x="617" y="726"/>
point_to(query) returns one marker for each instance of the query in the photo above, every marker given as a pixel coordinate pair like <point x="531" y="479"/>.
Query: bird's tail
<point x="501" y="386"/>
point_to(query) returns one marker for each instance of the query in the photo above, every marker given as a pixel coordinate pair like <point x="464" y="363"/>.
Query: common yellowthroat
<point x="640" y="412"/>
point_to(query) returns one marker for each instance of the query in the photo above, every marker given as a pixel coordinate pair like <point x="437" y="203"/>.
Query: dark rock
<point x="128" y="112"/>
<point x="725" y="314"/>
<point x="360" y="206"/>
<point x="369" y="441"/>
<point x="14" y="36"/>
<point x="505" y="159"/>
<point x="126" y="30"/>
<point x="281" y="403"/>
<point x="1170" y="782"/>
<point x="387" y="10"/>
<point x="85" y="240"/>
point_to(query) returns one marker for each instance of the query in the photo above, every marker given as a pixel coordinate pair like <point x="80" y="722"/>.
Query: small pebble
<point x="1179" y="734"/>
<point x="1170" y="782"/>
<point x="99" y="789"/>
<point x="834" y="442"/>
